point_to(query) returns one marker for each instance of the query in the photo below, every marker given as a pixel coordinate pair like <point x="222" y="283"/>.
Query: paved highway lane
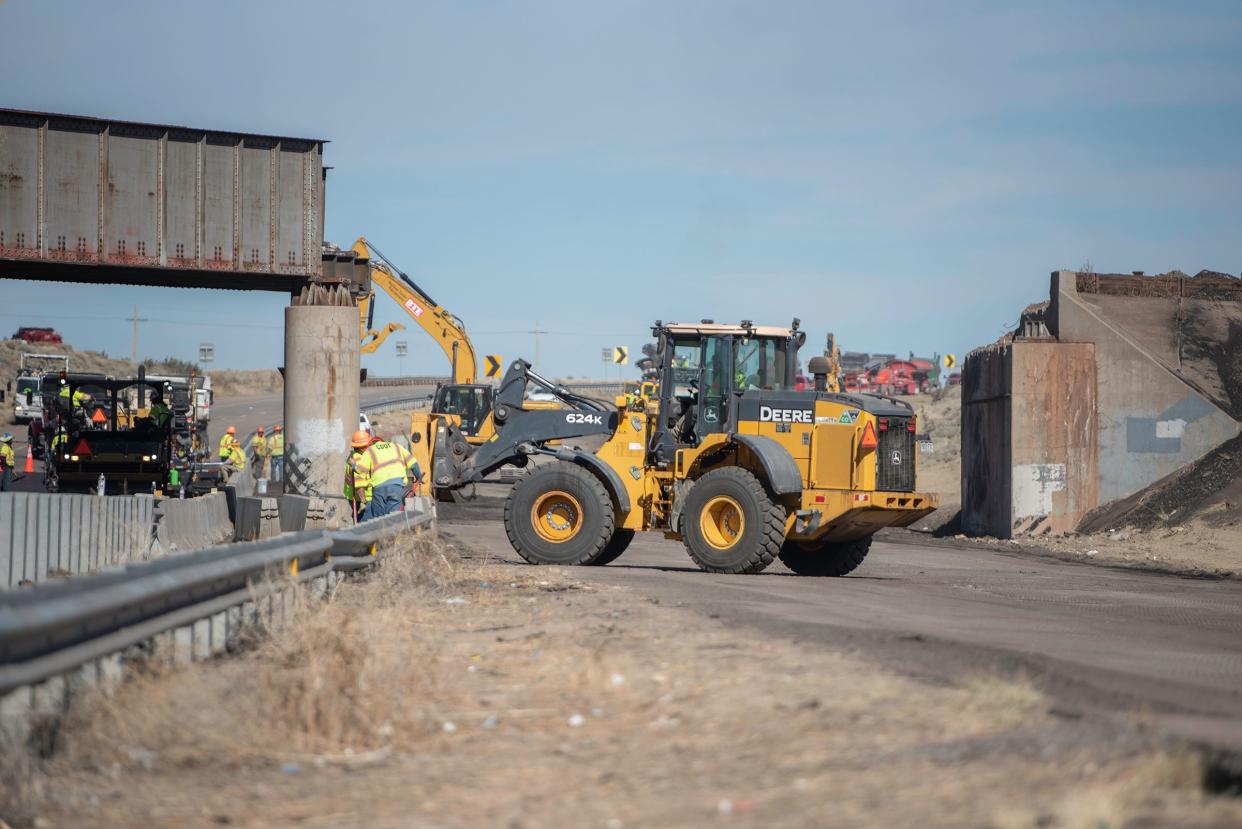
<point x="251" y="411"/>
<point x="1098" y="639"/>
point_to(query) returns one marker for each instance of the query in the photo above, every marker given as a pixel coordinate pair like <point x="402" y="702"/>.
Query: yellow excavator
<point x="469" y="403"/>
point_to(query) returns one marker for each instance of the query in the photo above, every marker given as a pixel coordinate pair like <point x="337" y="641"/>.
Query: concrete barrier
<point x="45" y="535"/>
<point x="255" y="518"/>
<point x="191" y="524"/>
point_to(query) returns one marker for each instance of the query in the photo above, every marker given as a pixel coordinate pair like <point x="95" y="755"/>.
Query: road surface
<point x="1098" y="639"/>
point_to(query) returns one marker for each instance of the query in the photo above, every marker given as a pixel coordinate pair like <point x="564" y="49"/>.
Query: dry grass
<point x="237" y="383"/>
<point x="1122" y="796"/>
<point x="455" y="691"/>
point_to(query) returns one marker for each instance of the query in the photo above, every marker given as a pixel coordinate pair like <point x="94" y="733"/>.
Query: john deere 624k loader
<point x="725" y="456"/>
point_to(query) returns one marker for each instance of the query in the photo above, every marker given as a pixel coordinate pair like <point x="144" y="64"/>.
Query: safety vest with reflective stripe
<point x="237" y="458"/>
<point x="378" y="464"/>
<point x="258" y="445"/>
<point x="226" y="445"/>
<point x="276" y="445"/>
<point x="7" y="461"/>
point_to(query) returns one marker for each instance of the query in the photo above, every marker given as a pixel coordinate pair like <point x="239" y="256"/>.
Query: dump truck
<point x="722" y="453"/>
<point x="28" y="398"/>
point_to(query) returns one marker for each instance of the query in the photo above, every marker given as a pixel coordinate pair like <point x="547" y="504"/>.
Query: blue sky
<point x="904" y="174"/>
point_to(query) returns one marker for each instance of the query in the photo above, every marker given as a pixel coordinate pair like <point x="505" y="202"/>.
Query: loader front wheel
<point x="829" y="558"/>
<point x="730" y="523"/>
<point x="559" y="514"/>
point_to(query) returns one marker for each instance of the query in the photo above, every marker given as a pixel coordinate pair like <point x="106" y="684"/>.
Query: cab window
<point x="759" y="364"/>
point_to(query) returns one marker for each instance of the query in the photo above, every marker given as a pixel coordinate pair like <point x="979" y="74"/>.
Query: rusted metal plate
<point x="93" y="200"/>
<point x="1055" y="436"/>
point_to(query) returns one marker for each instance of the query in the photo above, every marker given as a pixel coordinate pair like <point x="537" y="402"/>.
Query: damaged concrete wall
<point x="1114" y="384"/>
<point x="986" y="443"/>
<point x="1055" y="469"/>
<point x="1029" y="461"/>
<point x="1151" y="421"/>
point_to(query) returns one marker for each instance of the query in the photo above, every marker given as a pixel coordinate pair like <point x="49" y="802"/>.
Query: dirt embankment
<point x="940" y="469"/>
<point x="238" y="383"/>
<point x="455" y="691"/>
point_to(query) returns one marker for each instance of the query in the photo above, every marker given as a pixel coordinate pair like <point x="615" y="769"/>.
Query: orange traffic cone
<point x="29" y="459"/>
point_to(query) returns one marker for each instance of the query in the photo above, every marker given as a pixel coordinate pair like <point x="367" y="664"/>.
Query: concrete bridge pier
<point x="321" y="395"/>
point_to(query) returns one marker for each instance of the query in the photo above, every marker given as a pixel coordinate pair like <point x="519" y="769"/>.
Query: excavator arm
<point x="445" y="328"/>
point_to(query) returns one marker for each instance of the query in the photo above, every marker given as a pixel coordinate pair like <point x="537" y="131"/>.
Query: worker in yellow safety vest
<point x="375" y="476"/>
<point x="236" y="462"/>
<point x="7" y="461"/>
<point x="276" y="446"/>
<point x="159" y="414"/>
<point x="72" y="399"/>
<point x="227" y="442"/>
<point x="259" y="452"/>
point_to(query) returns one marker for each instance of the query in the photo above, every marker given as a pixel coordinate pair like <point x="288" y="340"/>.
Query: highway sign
<point x="950" y="361"/>
<point x="620" y="354"/>
<point x="206" y="352"/>
<point x="605" y="354"/>
<point x="491" y="365"/>
<point x="403" y="348"/>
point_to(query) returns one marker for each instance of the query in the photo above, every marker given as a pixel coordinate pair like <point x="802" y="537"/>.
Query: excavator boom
<point x="445" y="328"/>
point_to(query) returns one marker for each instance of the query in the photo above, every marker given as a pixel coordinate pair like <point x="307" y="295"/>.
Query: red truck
<point x="38" y="335"/>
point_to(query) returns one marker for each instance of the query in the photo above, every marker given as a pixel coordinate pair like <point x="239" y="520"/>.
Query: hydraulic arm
<point x="444" y="327"/>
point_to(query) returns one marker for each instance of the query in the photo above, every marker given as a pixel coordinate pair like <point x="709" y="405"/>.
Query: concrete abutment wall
<point x="1072" y="412"/>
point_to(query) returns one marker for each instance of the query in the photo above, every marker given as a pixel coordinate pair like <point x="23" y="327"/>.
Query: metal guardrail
<point x="413" y="380"/>
<point x="397" y="404"/>
<point x="54" y="628"/>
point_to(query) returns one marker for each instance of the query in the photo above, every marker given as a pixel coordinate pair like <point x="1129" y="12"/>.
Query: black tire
<point x="831" y="558"/>
<point x="574" y="507"/>
<point x="616" y="545"/>
<point x="763" y="522"/>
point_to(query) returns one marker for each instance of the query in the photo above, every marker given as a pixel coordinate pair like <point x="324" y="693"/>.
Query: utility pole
<point x="135" y="319"/>
<point x="537" y="332"/>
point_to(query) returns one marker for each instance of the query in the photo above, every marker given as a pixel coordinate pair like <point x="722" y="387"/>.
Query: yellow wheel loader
<point x="725" y="456"/>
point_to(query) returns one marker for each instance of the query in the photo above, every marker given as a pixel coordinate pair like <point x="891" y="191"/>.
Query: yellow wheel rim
<point x="722" y="522"/>
<point x="556" y="516"/>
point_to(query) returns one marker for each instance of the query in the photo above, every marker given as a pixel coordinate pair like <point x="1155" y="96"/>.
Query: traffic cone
<point x="29" y="459"/>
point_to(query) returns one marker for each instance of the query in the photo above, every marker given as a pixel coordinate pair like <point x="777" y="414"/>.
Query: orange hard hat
<point x="259" y="431"/>
<point x="361" y="440"/>
<point x="276" y="428"/>
<point x="232" y="430"/>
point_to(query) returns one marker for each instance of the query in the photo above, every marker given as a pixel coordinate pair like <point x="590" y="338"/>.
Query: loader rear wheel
<point x="617" y="545"/>
<point x="559" y="514"/>
<point x="730" y="523"/>
<point x="828" y="558"/>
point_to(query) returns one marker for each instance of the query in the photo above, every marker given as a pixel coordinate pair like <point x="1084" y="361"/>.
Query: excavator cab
<point x="470" y="402"/>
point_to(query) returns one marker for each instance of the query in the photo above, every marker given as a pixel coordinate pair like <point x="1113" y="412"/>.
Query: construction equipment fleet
<point x="722" y="453"/>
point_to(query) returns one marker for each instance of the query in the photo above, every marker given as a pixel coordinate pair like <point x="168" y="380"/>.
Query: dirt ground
<point x="940" y="470"/>
<point x="448" y="689"/>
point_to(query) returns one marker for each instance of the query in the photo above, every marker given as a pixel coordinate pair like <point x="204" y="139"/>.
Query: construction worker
<point x="276" y="448"/>
<point x="159" y="414"/>
<point x="259" y="452"/>
<point x="72" y="399"/>
<point x="375" y="477"/>
<point x="226" y="443"/>
<point x="413" y="472"/>
<point x="236" y="461"/>
<point x="7" y="462"/>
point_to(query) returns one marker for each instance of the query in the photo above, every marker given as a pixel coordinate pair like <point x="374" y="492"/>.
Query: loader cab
<point x="704" y="366"/>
